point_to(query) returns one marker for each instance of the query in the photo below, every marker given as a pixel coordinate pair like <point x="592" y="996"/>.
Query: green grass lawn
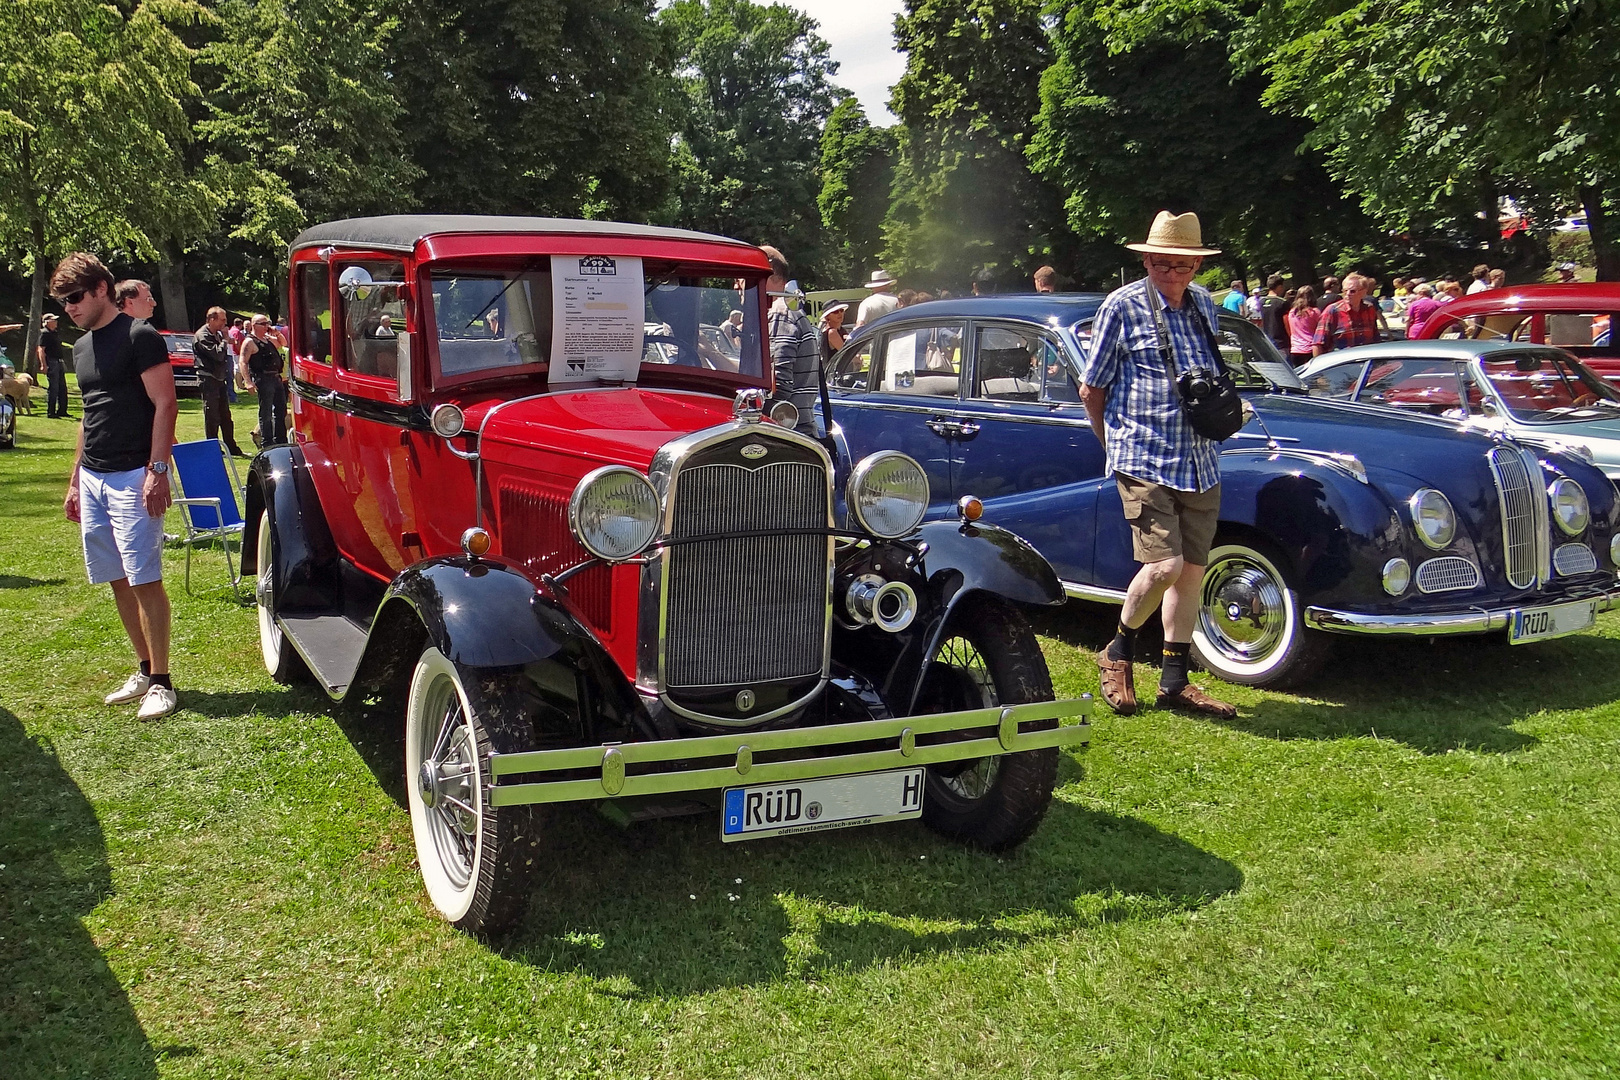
<point x="1412" y="873"/>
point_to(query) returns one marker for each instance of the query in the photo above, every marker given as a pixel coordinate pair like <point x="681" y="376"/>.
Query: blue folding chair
<point x="207" y="498"/>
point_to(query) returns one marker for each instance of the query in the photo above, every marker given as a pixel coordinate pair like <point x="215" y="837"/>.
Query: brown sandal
<point x="1118" y="684"/>
<point x="1192" y="699"/>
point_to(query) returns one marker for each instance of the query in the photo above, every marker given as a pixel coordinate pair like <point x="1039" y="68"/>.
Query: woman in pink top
<point x="1301" y="320"/>
<point x="1419" y="310"/>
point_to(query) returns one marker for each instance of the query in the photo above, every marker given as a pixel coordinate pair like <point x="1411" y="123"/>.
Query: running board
<point x="331" y="646"/>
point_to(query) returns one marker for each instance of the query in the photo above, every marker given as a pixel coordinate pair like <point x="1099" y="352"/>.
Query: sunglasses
<point x="71" y="298"/>
<point x="1174" y="268"/>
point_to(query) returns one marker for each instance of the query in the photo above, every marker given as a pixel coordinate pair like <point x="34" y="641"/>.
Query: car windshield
<point x="180" y="346"/>
<point x="1250" y="357"/>
<point x="501" y="321"/>
<point x="1548" y="386"/>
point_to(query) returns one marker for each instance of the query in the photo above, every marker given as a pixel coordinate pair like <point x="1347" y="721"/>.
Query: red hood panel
<point x="623" y="426"/>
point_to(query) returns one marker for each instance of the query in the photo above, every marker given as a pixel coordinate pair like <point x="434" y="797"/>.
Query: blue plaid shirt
<point x="1147" y="436"/>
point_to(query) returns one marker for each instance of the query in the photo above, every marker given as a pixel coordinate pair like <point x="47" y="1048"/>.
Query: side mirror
<point x="352" y="281"/>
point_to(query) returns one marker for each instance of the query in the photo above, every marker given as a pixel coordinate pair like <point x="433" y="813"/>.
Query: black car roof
<point x="401" y="232"/>
<point x="1049" y="309"/>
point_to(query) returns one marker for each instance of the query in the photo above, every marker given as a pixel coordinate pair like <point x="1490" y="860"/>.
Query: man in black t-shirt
<point x="50" y="362"/>
<point x="1273" y="306"/>
<point x="119" y="488"/>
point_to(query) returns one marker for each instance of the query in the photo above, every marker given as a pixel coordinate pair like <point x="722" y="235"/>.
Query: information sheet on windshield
<point x="598" y="318"/>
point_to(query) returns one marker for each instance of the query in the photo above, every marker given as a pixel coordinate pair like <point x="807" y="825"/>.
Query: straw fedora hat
<point x="880" y="279"/>
<point x="1175" y="234"/>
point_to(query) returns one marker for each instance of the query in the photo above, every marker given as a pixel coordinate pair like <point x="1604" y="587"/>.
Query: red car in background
<point x="182" y="360"/>
<point x="1575" y="317"/>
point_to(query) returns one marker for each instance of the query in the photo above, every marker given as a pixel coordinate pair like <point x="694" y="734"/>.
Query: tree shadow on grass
<point x="12" y="581"/>
<point x="661" y="906"/>
<point x="62" y="1011"/>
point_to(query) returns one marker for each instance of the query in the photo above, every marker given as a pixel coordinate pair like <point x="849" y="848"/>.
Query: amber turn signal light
<point x="970" y="508"/>
<point x="475" y="542"/>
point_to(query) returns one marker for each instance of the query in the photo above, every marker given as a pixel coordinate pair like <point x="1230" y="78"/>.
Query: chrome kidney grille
<point x="747" y="609"/>
<point x="1525" y="517"/>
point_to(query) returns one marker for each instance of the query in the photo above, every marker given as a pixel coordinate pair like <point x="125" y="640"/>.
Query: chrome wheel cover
<point x="270" y="641"/>
<point x="447" y="780"/>
<point x="1243" y="611"/>
<point x="976" y="779"/>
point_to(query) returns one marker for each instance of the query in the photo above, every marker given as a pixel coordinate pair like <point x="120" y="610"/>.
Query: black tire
<point x="281" y="660"/>
<point x="477" y="860"/>
<point x="989" y="657"/>
<point x="1251" y="625"/>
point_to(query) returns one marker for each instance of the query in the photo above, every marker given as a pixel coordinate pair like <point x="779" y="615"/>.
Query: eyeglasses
<point x="72" y="297"/>
<point x="1173" y="268"/>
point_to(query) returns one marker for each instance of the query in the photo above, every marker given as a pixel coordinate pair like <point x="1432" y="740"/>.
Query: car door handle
<point x="966" y="429"/>
<point x="940" y="425"/>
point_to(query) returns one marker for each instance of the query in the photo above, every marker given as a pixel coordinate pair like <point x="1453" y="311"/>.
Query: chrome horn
<point x="887" y="605"/>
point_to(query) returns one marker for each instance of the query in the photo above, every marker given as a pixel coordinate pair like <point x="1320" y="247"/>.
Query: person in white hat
<point x="881" y="302"/>
<point x="1168" y="475"/>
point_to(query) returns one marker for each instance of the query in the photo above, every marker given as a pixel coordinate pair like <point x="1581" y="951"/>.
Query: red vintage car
<point x="182" y="360"/>
<point x="1575" y="317"/>
<point x="588" y="560"/>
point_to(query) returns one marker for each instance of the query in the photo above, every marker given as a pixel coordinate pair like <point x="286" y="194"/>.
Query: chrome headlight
<point x="888" y="494"/>
<point x="1569" y="505"/>
<point x="613" y="513"/>
<point x="1397" y="576"/>
<point x="1432" y="517"/>
<point x="1614" y="549"/>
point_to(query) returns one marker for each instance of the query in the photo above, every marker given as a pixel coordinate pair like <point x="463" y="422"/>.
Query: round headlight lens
<point x="1433" y="518"/>
<point x="1569" y="505"/>
<point x="1614" y="549"/>
<point x="1397" y="576"/>
<point x="614" y="513"/>
<point x="888" y="494"/>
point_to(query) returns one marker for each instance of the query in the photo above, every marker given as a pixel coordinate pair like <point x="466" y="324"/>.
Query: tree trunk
<point x="1602" y="234"/>
<point x="172" y="285"/>
<point x="36" y="309"/>
<point x="1303" y="261"/>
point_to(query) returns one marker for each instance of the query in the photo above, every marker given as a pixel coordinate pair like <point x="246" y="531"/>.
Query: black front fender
<point x="307" y="571"/>
<point x="483" y="615"/>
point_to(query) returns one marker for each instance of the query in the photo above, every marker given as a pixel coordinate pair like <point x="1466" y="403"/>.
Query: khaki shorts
<point x="1166" y="522"/>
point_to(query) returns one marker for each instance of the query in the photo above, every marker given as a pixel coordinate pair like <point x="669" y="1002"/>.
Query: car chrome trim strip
<point x="743" y="748"/>
<point x="1078" y="591"/>
<point x="1348" y="464"/>
<point x="1473" y="621"/>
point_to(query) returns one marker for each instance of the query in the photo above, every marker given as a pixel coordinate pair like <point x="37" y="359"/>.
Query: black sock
<point x="162" y="680"/>
<point x="146" y="669"/>
<point x="1123" y="647"/>
<point x="1174" y="675"/>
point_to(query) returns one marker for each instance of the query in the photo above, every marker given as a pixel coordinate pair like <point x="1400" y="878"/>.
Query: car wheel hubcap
<point x="447" y="783"/>
<point x="1244" y="613"/>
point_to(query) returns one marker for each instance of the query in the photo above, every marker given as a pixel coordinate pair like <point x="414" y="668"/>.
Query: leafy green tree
<point x="857" y="172"/>
<point x="533" y="106"/>
<point x="756" y="90"/>
<point x="91" y="122"/>
<point x="964" y="196"/>
<point x="1151" y="121"/>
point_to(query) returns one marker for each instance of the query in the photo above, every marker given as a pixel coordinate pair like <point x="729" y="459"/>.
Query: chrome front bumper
<point x="613" y="763"/>
<point x="1472" y="621"/>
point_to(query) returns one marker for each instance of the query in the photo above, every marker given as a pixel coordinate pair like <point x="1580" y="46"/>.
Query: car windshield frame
<point x="1272" y="374"/>
<point x="1606" y="406"/>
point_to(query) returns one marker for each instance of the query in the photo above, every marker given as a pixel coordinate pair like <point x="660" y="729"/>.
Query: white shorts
<point x="121" y="540"/>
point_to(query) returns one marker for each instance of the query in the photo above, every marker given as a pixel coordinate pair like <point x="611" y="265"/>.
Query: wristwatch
<point x="160" y="468"/>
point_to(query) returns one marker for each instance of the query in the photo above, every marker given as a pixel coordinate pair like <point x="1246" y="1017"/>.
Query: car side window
<point x="1422" y="385"/>
<point x="923" y="360"/>
<point x="852" y="368"/>
<point x="312" y="334"/>
<point x="1337" y="381"/>
<point x="1009" y="364"/>
<point x="373" y="319"/>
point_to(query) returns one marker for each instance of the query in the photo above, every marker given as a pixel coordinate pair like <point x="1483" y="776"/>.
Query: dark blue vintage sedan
<point x="1334" y="518"/>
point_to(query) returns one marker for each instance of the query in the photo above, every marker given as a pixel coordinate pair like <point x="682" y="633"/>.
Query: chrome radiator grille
<point x="1446" y="574"/>
<point x="1572" y="559"/>
<point x="750" y="609"/>
<point x="1524" y="515"/>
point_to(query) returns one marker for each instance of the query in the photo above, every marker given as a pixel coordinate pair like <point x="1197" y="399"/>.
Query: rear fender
<point x="308" y="570"/>
<point x="482" y="615"/>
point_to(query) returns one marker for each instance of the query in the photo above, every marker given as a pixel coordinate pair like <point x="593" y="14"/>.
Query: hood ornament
<point x="749" y="405"/>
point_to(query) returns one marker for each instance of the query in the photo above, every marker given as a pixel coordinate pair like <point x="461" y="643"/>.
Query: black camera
<point x="1195" y="384"/>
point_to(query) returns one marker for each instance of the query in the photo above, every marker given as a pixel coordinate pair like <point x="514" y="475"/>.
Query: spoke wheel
<point x="990" y="657"/>
<point x="281" y="660"/>
<point x="476" y="859"/>
<point x="1251" y="626"/>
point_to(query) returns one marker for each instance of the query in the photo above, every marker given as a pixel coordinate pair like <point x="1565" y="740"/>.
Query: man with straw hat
<point x="881" y="302"/>
<point x="1168" y="475"/>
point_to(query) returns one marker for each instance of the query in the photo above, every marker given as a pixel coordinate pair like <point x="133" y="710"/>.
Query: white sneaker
<point x="134" y="689"/>
<point x="159" y="701"/>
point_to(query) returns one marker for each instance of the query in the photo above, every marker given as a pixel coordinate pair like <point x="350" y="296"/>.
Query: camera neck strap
<point x="1161" y="331"/>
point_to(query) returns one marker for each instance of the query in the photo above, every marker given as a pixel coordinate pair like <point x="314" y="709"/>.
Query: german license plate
<point x="1538" y="624"/>
<point x="836" y="802"/>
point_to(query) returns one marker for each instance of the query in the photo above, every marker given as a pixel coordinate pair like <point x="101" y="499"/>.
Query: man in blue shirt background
<point x="1168" y="475"/>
